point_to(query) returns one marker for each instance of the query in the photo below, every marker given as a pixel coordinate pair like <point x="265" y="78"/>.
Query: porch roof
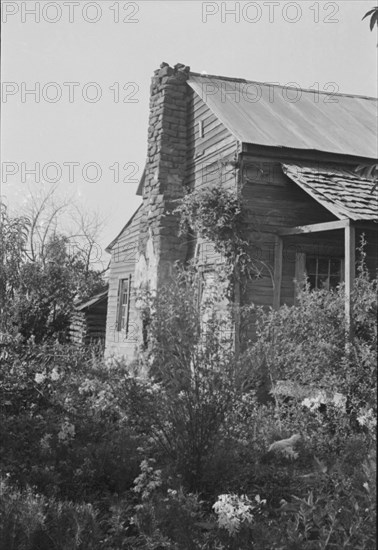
<point x="92" y="301"/>
<point x="343" y="192"/>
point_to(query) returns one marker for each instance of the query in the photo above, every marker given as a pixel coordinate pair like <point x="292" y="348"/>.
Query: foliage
<point x="29" y="521"/>
<point x="182" y="449"/>
<point x="196" y="377"/>
<point x="13" y="236"/>
<point x="306" y="355"/>
<point x="373" y="14"/>
<point x="37" y="295"/>
<point x="58" y="430"/>
<point x="219" y="216"/>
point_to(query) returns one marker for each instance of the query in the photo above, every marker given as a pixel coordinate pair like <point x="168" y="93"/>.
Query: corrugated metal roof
<point x="343" y="192"/>
<point x="279" y="116"/>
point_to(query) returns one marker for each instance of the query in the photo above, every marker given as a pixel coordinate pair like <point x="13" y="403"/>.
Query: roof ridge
<point x="245" y="81"/>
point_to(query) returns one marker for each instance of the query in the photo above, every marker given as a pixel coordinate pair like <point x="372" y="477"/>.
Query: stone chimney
<point x="159" y="243"/>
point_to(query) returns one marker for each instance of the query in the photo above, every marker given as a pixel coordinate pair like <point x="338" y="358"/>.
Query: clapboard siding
<point x="275" y="202"/>
<point x="124" y="254"/>
<point x="207" y="155"/>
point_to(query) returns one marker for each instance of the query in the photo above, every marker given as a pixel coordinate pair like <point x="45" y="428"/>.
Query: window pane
<point x="334" y="281"/>
<point x="335" y="267"/>
<point x="311" y="280"/>
<point x="323" y="282"/>
<point x="123" y="303"/>
<point x="124" y="295"/>
<point x="311" y="266"/>
<point x="323" y="265"/>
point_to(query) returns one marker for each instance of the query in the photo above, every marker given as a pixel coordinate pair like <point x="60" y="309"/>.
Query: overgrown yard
<point x="273" y="449"/>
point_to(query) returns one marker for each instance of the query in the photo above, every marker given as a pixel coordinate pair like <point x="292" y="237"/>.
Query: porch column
<point x="277" y="272"/>
<point x="350" y="267"/>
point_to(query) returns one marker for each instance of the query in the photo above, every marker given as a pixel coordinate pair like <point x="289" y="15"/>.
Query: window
<point x="324" y="273"/>
<point x="123" y="304"/>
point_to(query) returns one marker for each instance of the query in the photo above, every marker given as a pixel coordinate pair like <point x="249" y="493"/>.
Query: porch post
<point x="350" y="267"/>
<point x="277" y="272"/>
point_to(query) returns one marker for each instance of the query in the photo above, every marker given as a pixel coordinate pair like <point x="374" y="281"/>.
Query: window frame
<point x="123" y="309"/>
<point x="301" y="274"/>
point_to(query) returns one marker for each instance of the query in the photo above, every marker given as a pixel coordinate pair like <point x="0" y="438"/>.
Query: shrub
<point x="29" y="521"/>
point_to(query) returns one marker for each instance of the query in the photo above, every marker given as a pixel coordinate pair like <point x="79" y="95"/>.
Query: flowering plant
<point x="233" y="511"/>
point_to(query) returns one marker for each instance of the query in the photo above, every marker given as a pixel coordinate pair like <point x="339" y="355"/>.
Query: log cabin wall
<point x="96" y="323"/>
<point x="88" y="325"/>
<point x="78" y="328"/>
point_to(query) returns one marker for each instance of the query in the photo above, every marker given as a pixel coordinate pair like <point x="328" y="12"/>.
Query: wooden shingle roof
<point x="343" y="192"/>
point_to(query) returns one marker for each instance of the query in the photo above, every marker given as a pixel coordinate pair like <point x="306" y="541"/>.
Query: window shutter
<point x="128" y="305"/>
<point x="118" y="320"/>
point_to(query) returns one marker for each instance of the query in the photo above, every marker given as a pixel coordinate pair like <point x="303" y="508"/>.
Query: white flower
<point x="55" y="374"/>
<point x="314" y="403"/>
<point x="339" y="400"/>
<point x="40" y="377"/>
<point x="232" y="511"/>
<point x="367" y="418"/>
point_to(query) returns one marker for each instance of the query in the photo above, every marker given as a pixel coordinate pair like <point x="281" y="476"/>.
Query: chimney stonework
<point x="165" y="171"/>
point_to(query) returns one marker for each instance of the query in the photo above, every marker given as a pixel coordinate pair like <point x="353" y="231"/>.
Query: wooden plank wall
<point x="123" y="260"/>
<point x="274" y="202"/>
<point x="207" y="158"/>
<point x="206" y="155"/>
<point x="96" y="322"/>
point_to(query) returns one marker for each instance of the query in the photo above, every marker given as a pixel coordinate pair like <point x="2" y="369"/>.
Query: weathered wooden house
<point x="88" y="323"/>
<point x="293" y="155"/>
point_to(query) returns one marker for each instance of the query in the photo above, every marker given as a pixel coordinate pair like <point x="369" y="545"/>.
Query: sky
<point x="90" y="65"/>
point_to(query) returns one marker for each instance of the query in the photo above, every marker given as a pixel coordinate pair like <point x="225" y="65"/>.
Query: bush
<point x="153" y="454"/>
<point x="58" y="429"/>
<point x="29" y="521"/>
